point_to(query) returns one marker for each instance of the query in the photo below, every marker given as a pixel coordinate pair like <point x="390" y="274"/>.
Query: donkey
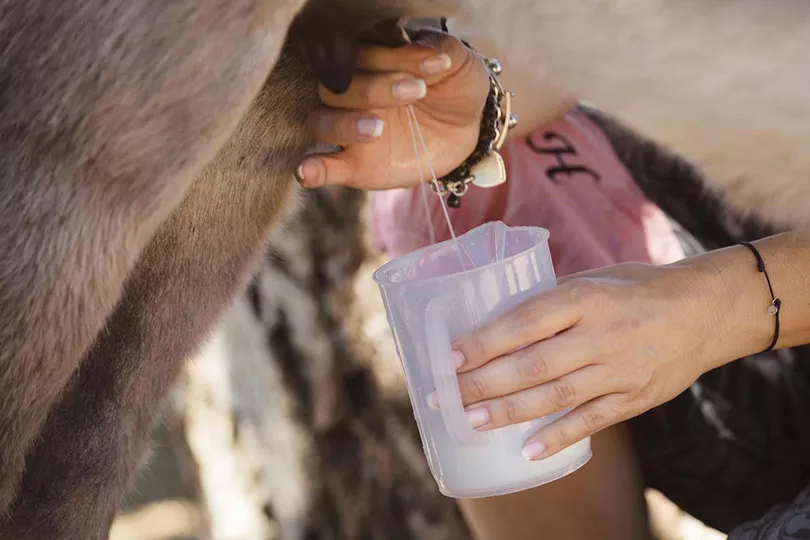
<point x="147" y="149"/>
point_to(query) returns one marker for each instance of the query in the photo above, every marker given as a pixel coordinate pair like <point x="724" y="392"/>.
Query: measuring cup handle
<point x="439" y="345"/>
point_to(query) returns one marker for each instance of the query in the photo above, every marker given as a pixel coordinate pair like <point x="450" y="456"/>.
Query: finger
<point x="584" y="421"/>
<point x="539" y="318"/>
<point x="433" y="55"/>
<point x="378" y="91"/>
<point x="558" y="395"/>
<point x="325" y="170"/>
<point x="338" y="127"/>
<point x="528" y="367"/>
<point x="417" y="59"/>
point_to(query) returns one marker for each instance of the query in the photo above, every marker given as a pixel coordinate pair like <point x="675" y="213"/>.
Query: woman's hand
<point x="609" y="344"/>
<point x="447" y="85"/>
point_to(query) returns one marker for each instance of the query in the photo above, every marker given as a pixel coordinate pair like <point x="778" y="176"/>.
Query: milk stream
<point x="422" y="183"/>
<point x="413" y="125"/>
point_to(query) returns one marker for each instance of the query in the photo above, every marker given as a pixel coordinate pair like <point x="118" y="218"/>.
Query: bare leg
<point x="604" y="500"/>
<point x="109" y="108"/>
<point x="95" y="439"/>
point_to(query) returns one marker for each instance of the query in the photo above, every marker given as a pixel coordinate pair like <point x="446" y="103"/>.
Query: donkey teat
<point x="329" y="32"/>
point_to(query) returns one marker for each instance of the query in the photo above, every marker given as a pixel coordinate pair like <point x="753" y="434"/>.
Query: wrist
<point x="734" y="297"/>
<point x="484" y="167"/>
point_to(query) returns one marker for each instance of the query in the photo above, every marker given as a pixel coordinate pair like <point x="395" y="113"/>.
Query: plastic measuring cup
<point x="441" y="292"/>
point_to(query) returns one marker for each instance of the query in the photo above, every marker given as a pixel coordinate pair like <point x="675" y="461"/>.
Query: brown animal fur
<point x="108" y="113"/>
<point x="117" y="261"/>
<point x="199" y="258"/>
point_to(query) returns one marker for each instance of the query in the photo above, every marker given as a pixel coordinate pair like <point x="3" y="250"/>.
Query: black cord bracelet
<point x="776" y="303"/>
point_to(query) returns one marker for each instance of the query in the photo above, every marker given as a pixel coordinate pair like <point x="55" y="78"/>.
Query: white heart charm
<point x="489" y="172"/>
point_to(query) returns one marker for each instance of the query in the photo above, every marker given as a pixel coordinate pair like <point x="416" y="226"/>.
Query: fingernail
<point x="436" y="64"/>
<point x="409" y="89"/>
<point x="458" y="359"/>
<point x="533" y="450"/>
<point x="433" y="400"/>
<point x="369" y="127"/>
<point x="477" y="417"/>
<point x="308" y="172"/>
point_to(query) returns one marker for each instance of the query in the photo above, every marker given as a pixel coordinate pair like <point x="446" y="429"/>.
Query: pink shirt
<point x="566" y="178"/>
